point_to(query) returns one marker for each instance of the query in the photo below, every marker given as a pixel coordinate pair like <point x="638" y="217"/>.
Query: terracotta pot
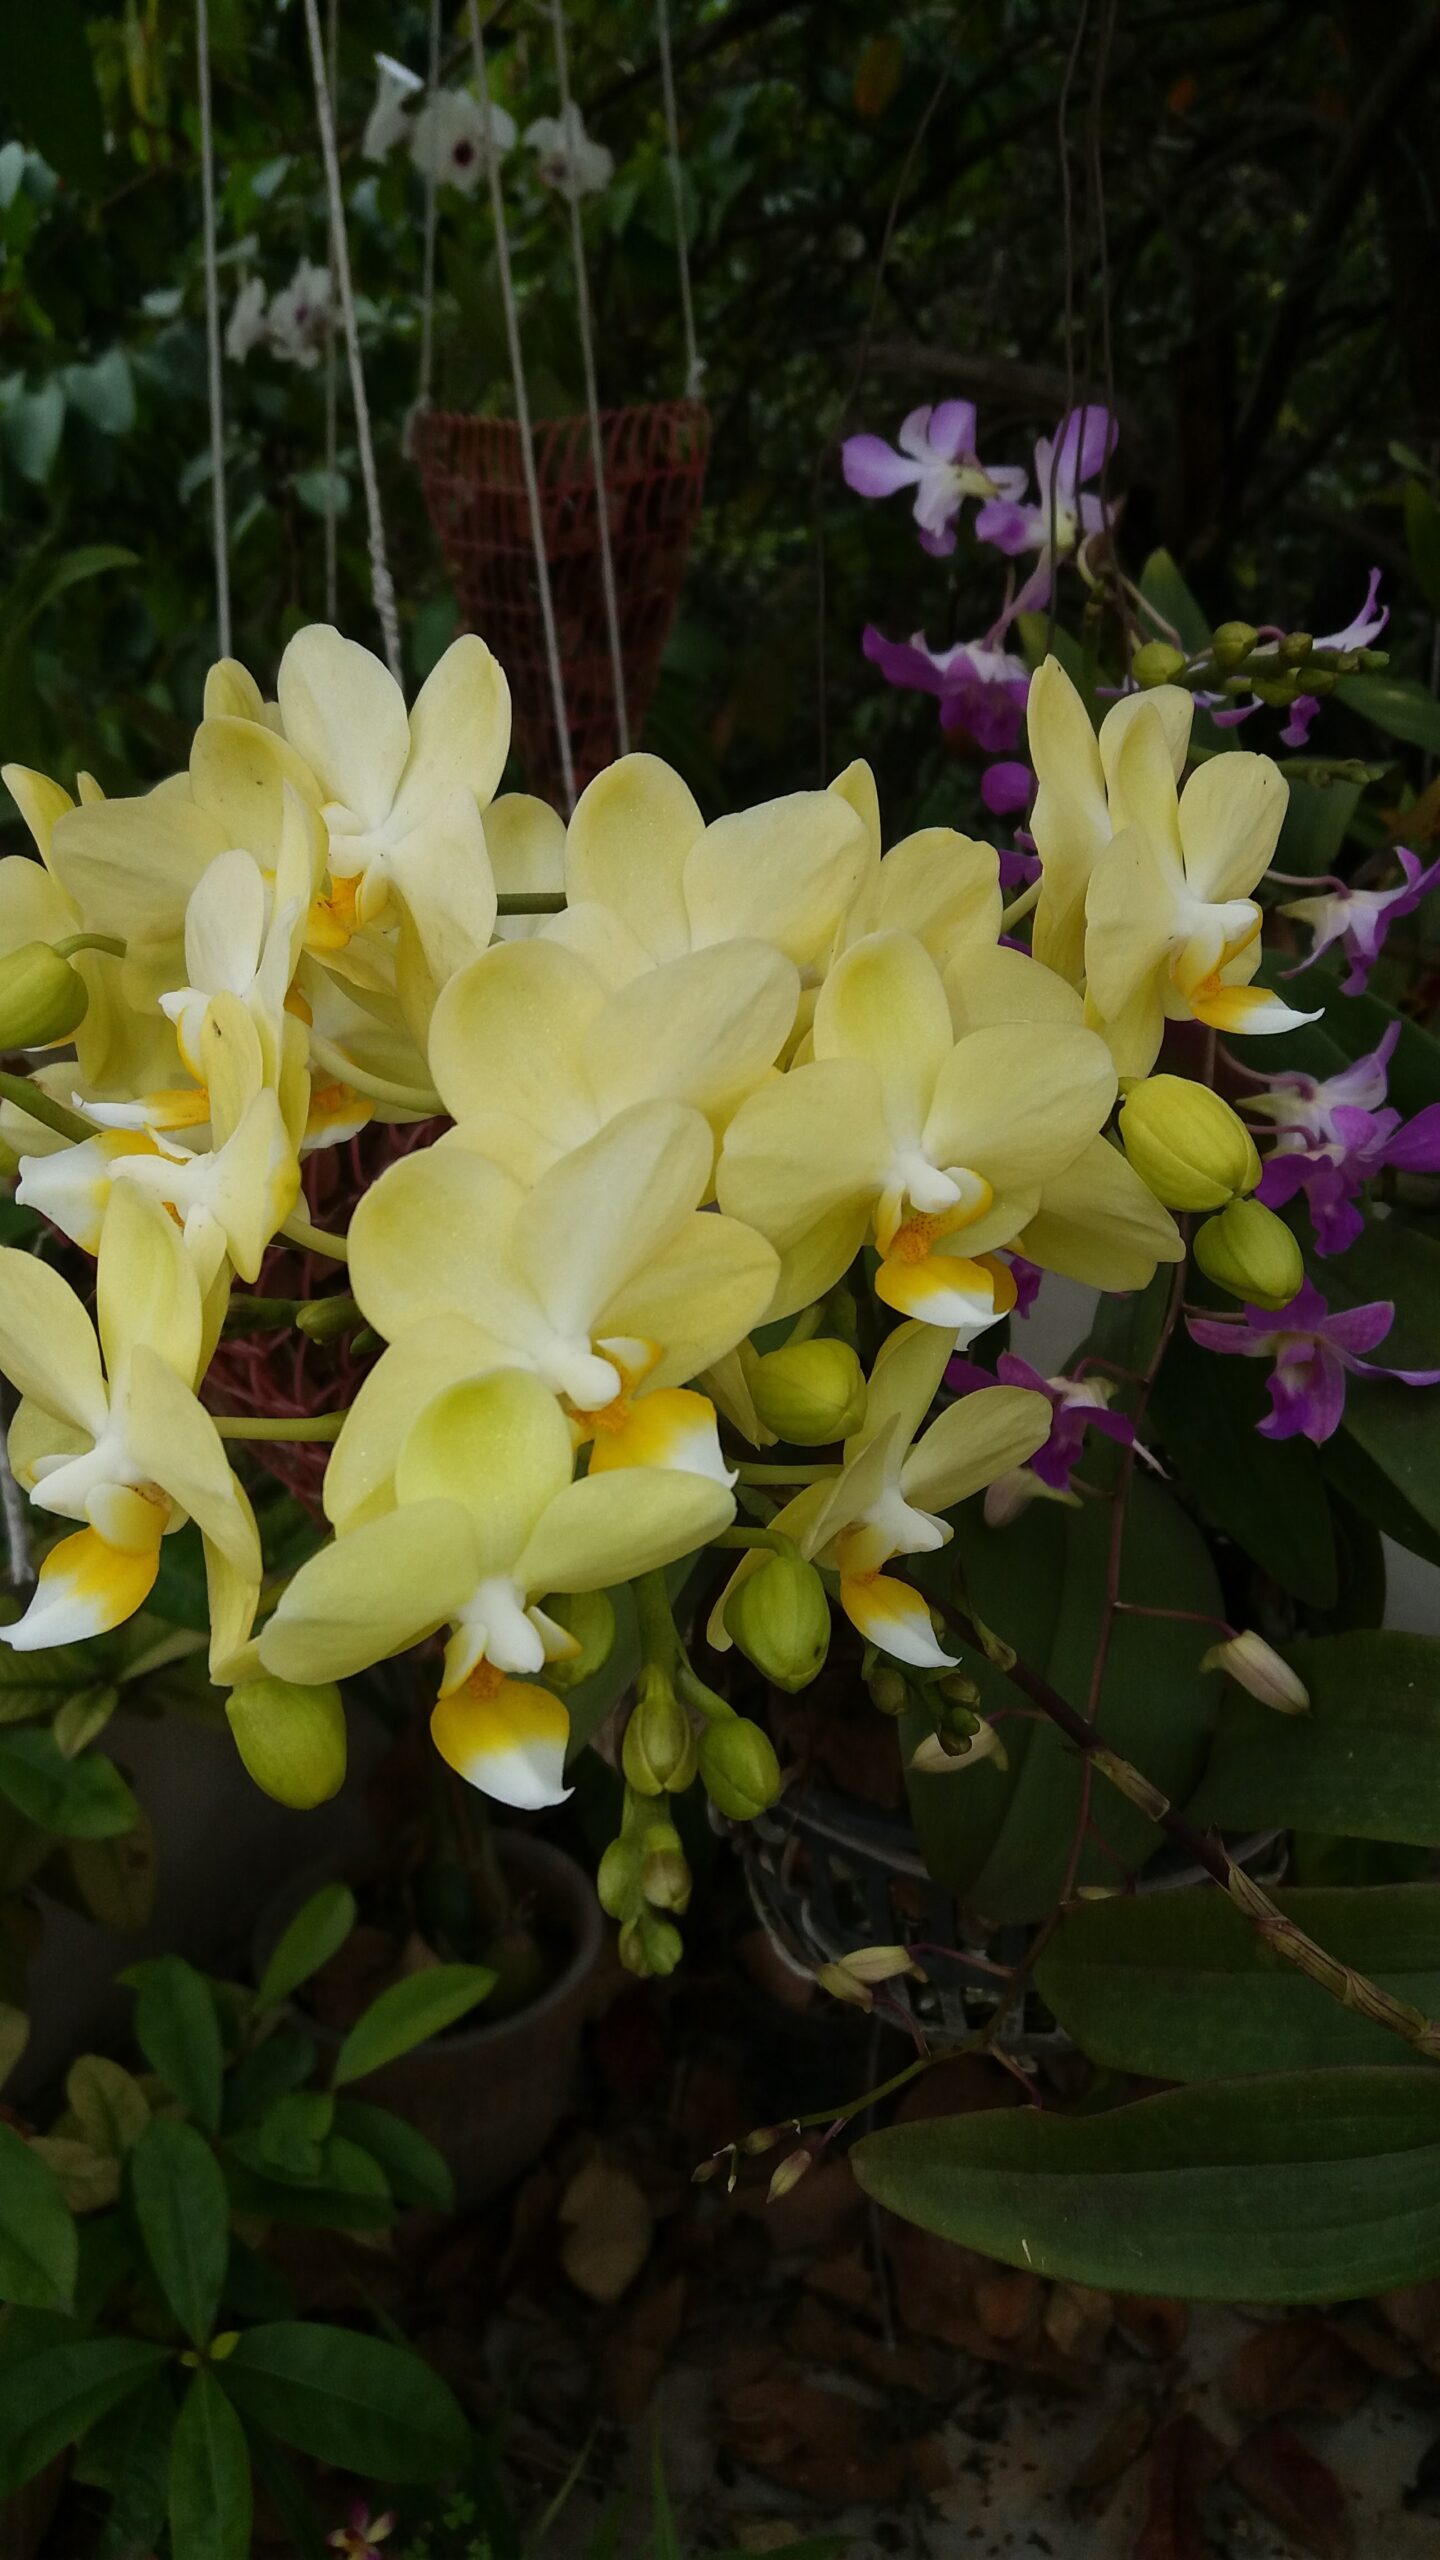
<point x="490" y="2096"/>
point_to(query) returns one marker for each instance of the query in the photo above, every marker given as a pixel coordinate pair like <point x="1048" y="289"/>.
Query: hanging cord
<point x="382" y="586"/>
<point x="332" y="357"/>
<point x="694" y="363"/>
<point x="432" y="189"/>
<point x="522" y="412"/>
<point x="592" y="397"/>
<point x="219" y="528"/>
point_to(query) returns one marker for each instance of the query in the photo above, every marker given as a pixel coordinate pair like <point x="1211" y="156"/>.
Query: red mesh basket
<point x="283" y="1373"/>
<point x="654" y="472"/>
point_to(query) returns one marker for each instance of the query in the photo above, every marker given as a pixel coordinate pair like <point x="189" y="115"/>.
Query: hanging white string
<point x="432" y="183"/>
<point x="332" y="359"/>
<point x="694" y="363"/>
<point x="592" y="397"/>
<point x="522" y="411"/>
<point x="382" y="586"/>
<point x="219" y="528"/>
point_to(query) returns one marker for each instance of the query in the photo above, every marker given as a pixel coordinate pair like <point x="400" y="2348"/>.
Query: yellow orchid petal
<point x="146" y="1290"/>
<point x="506" y="1737"/>
<point x="133" y="1518"/>
<point x="674" y="1427"/>
<point x="856" y="787"/>
<point x="705" y="1288"/>
<point x="359" y="1480"/>
<point x="1017" y="1102"/>
<point x="526" y="838"/>
<point x="1071" y="819"/>
<point x="375" y="1592"/>
<point x="459" y="733"/>
<point x="345" y="716"/>
<point x="903" y="1384"/>
<point x="231" y="692"/>
<point x="973" y="1441"/>
<point x="441" y="871"/>
<point x="33" y="907"/>
<point x="1098" y="1223"/>
<point x="499" y="1447"/>
<point x="174" y="1439"/>
<point x="130" y="865"/>
<point x="600" y="1216"/>
<point x="783" y="873"/>
<point x="85" y="1588"/>
<point x="1142" y="773"/>
<point x="626" y="847"/>
<point x="884" y="1002"/>
<point x="892" y="1615"/>
<point x="990" y="987"/>
<point x="239" y="773"/>
<point x="464" y="1209"/>
<point x="804" y="1147"/>
<point x="1231" y="812"/>
<point x="948" y="1289"/>
<point x="1247" y="1009"/>
<point x="40" y="802"/>
<point x="941" y="887"/>
<point x="508" y="1030"/>
<point x="701" y="1029"/>
<point x="48" y="1348"/>
<point x="610" y="1527"/>
<point x="1135" y="901"/>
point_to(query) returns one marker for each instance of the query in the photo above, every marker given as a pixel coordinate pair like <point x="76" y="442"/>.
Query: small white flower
<point x="301" y="316"/>
<point x="388" y="121"/>
<point x="569" y="160"/>
<point x="447" y="138"/>
<point x="247" y="327"/>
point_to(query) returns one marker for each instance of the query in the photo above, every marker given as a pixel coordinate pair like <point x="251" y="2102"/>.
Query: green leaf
<point x="282" y="2062"/>
<point x="1392" y="1427"/>
<point x="14" y="2037"/>
<point x="210" y="2492"/>
<point x="414" y="2170"/>
<point x="315" y="1934"/>
<point x="1316" y="823"/>
<point x="52" y="2396"/>
<point x="32" y="423"/>
<point x="127" y="2454"/>
<point x="108" y="2104"/>
<point x="178" y="2032"/>
<point x="178" y="2196"/>
<point x="409" y="2013"/>
<point x="1001" y="1837"/>
<point x="1269" y="1495"/>
<point x="1162" y="586"/>
<point x="35" y="1684"/>
<point x="348" y="2192"/>
<point x="83" y="1799"/>
<point x="47" y="81"/>
<point x="39" y="2250"/>
<point x="1396" y="704"/>
<point x="1365" y="1761"/>
<point x="117" y="1879"/>
<point x="291" y="2136"/>
<point x="1307" y="2186"/>
<point x="1180" y="1986"/>
<point x="1422" y="539"/>
<point x="347" y="2399"/>
<point x="44" y="581"/>
<point x="103" y="392"/>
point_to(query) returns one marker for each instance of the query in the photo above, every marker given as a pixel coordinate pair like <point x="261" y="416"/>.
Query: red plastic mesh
<point x="654" y="472"/>
<point x="283" y="1373"/>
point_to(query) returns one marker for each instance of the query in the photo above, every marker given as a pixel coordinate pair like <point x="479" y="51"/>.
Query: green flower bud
<point x="1187" y="1146"/>
<point x="618" y="1880"/>
<point x="738" y="1766"/>
<point x="291" y="1739"/>
<point x="780" y="1619"/>
<point x="889" y="1690"/>
<point x="650" y="1945"/>
<point x="658" y="1751"/>
<point x="589" y="1616"/>
<point x="1232" y="642"/>
<point x="664" y="1875"/>
<point x="1156" y="662"/>
<point x="1250" y="1252"/>
<point x="1295" y="648"/>
<point x="41" y="997"/>
<point x="810" y="1392"/>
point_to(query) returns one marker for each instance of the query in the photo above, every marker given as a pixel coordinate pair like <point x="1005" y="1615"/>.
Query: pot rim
<point x="572" y="1889"/>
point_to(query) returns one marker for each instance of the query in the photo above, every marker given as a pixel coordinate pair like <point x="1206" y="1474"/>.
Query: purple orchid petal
<point x="1337" y="1221"/>
<point x="873" y="469"/>
<point x="1231" y="718"/>
<point x="1416" y="1147"/>
<point x="1403" y="1377"/>
<point x="904" y="662"/>
<point x="938" y="540"/>
<point x="1285" y="1174"/>
<point x="953" y="430"/>
<point x="914" y="436"/>
<point x="1367" y="626"/>
<point x="1027" y="1276"/>
<point x="1006" y="787"/>
<point x="1213" y="1333"/>
<point x="1086" y="439"/>
<point x="1307" y="1394"/>
<point x="1009" y="527"/>
<point x="1355" y="1329"/>
<point x="1296" y="731"/>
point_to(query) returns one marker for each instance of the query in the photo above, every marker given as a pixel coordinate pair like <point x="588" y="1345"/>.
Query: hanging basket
<point x="654" y="459"/>
<point x="283" y="1375"/>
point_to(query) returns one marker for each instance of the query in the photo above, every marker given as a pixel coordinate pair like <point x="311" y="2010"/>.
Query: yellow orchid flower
<point x="942" y="887"/>
<point x="941" y="1145"/>
<point x="230" y="1196"/>
<point x="402" y="792"/>
<point x="605" y="1278"/>
<point x="487" y="1523"/>
<point x="526" y="841"/>
<point x="532" y="1054"/>
<point x="892" y="1486"/>
<point x="647" y="880"/>
<point x="1074" y="817"/>
<point x="110" y="1432"/>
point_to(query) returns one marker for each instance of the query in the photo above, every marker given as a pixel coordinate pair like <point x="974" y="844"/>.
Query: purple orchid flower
<point x="1360" y="919"/>
<point x="1077" y="1405"/>
<point x="1064" y="516"/>
<point x="938" y="460"/>
<point x="980" y="689"/>
<point x="1335" y="1136"/>
<point x="1027" y="1277"/>
<point x="1004" y="788"/>
<point x="361" y="2537"/>
<point x="1311" y="1349"/>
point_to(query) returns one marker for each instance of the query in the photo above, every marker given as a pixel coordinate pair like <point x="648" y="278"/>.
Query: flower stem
<point x="531" y="902"/>
<point x="402" y="1097"/>
<point x="298" y="1230"/>
<point x="52" y="1115"/>
<point x="254" y="1426"/>
<point x="74" y="942"/>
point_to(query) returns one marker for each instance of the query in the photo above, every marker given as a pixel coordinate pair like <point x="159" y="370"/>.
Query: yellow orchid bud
<point x="780" y="1619"/>
<point x="658" y="1752"/>
<point x="1232" y="642"/>
<point x="789" y="2174"/>
<point x="1256" y="1666"/>
<point x="940" y="1758"/>
<point x="738" y="1766"/>
<point x="1187" y="1146"/>
<point x="810" y="1393"/>
<point x="852" y="1978"/>
<point x="291" y="1739"/>
<point x="650" y="1945"/>
<point x="617" y="1881"/>
<point x="1250" y="1252"/>
<point x="588" y="1616"/>
<point x="42" y="998"/>
<point x="1157" y="662"/>
<point x="665" y="1878"/>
